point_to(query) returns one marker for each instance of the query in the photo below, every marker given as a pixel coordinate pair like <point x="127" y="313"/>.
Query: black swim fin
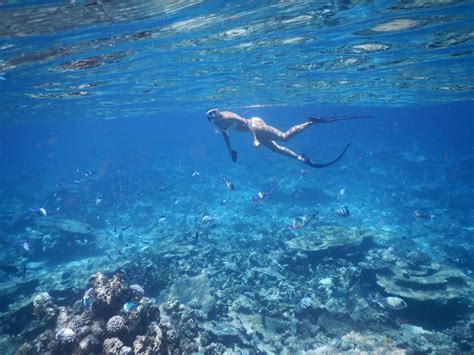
<point x="324" y="165"/>
<point x="335" y="118"/>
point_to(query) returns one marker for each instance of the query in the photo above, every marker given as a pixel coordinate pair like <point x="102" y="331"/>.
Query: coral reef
<point x="310" y="289"/>
<point x="95" y="323"/>
<point x="67" y="226"/>
<point x="86" y="328"/>
<point x="107" y="294"/>
<point x="425" y="280"/>
<point x="112" y="346"/>
<point x="150" y="343"/>
<point x="357" y="342"/>
<point x="115" y="325"/>
<point x="44" y="308"/>
<point x="65" y="336"/>
<point x="90" y="345"/>
<point x="64" y="239"/>
<point x="137" y="292"/>
<point x="325" y="237"/>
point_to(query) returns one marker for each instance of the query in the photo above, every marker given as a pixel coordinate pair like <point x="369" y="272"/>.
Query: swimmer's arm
<point x="233" y="153"/>
<point x="256" y="142"/>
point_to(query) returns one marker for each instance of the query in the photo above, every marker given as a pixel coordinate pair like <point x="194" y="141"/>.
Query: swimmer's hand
<point x="233" y="155"/>
<point x="256" y="143"/>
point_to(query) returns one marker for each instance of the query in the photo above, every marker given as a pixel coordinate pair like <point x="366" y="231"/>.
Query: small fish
<point x="9" y="269"/>
<point x="459" y="261"/>
<point x="390" y="302"/>
<point x="98" y="201"/>
<point x="162" y="219"/>
<point x="124" y="228"/>
<point x="129" y="307"/>
<point x="394" y="303"/>
<point x="261" y="196"/>
<point x="299" y="222"/>
<point x="90" y="173"/>
<point x="297" y="193"/>
<point x="77" y="182"/>
<point x="224" y="201"/>
<point x="423" y="215"/>
<point x="341" y="193"/>
<point x="26" y="245"/>
<point x="276" y="265"/>
<point x="207" y="219"/>
<point x="229" y="184"/>
<point x="195" y="174"/>
<point x="39" y="212"/>
<point x="342" y="211"/>
<point x="115" y="230"/>
<point x="304" y="172"/>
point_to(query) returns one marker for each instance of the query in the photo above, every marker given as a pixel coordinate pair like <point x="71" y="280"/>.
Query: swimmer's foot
<point x="256" y="143"/>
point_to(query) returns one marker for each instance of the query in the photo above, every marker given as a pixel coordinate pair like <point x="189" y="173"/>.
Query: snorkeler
<point x="267" y="135"/>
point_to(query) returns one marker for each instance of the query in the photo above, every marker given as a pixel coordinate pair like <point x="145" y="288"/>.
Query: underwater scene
<point x="236" y="177"/>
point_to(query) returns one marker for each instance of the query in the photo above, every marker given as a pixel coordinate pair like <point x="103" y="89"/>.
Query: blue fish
<point x="129" y="307"/>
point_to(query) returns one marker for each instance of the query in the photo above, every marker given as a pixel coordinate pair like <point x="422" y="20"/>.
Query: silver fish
<point x="229" y="184"/>
<point x="390" y="302"/>
<point x="394" y="303"/>
<point x="26" y="246"/>
<point x="39" y="212"/>
<point x="341" y="193"/>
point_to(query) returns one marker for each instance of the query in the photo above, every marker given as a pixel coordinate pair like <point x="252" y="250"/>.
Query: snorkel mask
<point x="211" y="114"/>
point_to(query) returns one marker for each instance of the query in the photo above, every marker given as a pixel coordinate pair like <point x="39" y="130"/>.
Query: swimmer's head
<point x="212" y="114"/>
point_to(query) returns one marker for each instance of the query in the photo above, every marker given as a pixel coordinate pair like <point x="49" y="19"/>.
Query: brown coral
<point x="112" y="346"/>
<point x="148" y="344"/>
<point x="115" y="325"/>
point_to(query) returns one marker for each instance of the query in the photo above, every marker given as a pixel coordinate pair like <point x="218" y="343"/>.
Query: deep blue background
<point x="189" y="139"/>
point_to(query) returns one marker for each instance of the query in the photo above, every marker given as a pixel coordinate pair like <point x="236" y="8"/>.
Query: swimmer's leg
<point x="293" y="131"/>
<point x="334" y="118"/>
<point x="274" y="147"/>
<point x="277" y="135"/>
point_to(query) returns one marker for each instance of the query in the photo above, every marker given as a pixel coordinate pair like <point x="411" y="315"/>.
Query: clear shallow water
<point x="106" y="58"/>
<point x="120" y="91"/>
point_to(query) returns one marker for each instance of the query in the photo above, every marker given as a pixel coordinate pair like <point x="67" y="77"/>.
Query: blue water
<point x="103" y="125"/>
